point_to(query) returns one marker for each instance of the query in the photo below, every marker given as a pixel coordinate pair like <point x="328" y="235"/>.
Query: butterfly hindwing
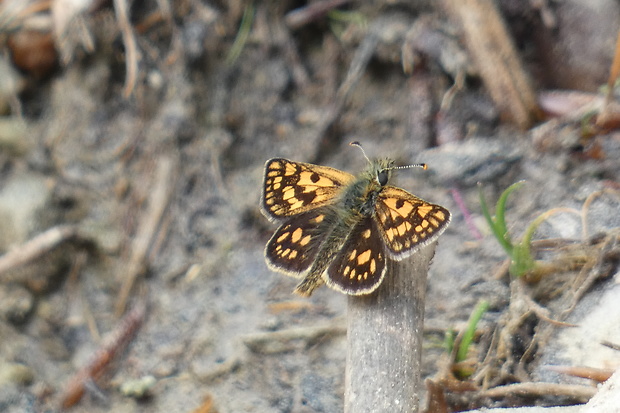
<point x="292" y="188"/>
<point x="360" y="265"/>
<point x="294" y="246"/>
<point x="407" y="222"/>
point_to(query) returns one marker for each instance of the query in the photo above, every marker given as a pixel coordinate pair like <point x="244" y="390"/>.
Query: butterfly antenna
<point x="359" y="145"/>
<point x="415" y="165"/>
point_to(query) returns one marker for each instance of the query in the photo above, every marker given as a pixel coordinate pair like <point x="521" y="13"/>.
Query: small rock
<point x="16" y="303"/>
<point x="138" y="388"/>
<point x="15" y="373"/>
<point x="471" y="161"/>
<point x="22" y="197"/>
<point x="14" y="137"/>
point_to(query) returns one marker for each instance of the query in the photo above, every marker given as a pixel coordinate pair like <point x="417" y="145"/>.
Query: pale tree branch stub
<point x="384" y="340"/>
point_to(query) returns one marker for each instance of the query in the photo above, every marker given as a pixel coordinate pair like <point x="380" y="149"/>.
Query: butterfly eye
<point x="382" y="177"/>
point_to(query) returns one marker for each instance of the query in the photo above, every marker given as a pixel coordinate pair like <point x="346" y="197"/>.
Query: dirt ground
<point x="133" y="148"/>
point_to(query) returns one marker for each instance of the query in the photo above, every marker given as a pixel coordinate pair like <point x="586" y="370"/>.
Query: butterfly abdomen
<point x="338" y="225"/>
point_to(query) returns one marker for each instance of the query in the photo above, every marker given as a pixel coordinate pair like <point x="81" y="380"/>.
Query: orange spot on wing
<point x="423" y="210"/>
<point x="364" y="257"/>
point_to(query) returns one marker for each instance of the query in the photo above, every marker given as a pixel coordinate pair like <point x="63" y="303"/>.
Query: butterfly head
<point x="381" y="169"/>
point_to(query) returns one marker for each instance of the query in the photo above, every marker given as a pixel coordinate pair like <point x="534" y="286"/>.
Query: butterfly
<point x="340" y="229"/>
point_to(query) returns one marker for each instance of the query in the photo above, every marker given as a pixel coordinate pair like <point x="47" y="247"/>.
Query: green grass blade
<point x="499" y="233"/>
<point x="242" y="35"/>
<point x="469" y="334"/>
<point x="500" y="212"/>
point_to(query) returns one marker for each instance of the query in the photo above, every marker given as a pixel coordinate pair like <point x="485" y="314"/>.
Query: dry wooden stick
<point x="584" y="372"/>
<point x="147" y="229"/>
<point x="111" y="347"/>
<point x="36" y="247"/>
<point x="385" y="340"/>
<point x="495" y="56"/>
<point x="536" y="389"/>
<point x="131" y="49"/>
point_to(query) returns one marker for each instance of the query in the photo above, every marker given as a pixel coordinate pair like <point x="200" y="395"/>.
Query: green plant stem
<point x="468" y="336"/>
<point x="242" y="35"/>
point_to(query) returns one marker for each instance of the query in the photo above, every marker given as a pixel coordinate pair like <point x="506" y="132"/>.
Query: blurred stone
<point x="23" y="196"/>
<point x="16" y="303"/>
<point x="15" y="373"/>
<point x="471" y="161"/>
<point x="14" y="137"/>
<point x="138" y="388"/>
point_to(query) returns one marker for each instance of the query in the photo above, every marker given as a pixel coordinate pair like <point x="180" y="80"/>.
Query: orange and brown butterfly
<point x="341" y="229"/>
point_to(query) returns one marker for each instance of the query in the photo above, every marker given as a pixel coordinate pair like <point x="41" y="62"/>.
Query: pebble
<point x="138" y="388"/>
<point x="16" y="303"/>
<point x="15" y="373"/>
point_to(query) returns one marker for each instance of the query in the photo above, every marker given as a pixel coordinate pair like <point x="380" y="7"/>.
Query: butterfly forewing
<point x="292" y="188"/>
<point x="294" y="246"/>
<point x="359" y="266"/>
<point x="407" y="222"/>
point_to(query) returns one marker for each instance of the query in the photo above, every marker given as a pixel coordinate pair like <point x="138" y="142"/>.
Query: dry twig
<point x="112" y="345"/>
<point x="501" y="70"/>
<point x="147" y="229"/>
<point x="592" y="373"/>
<point x="131" y="49"/>
<point x="36" y="247"/>
<point x="533" y="389"/>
